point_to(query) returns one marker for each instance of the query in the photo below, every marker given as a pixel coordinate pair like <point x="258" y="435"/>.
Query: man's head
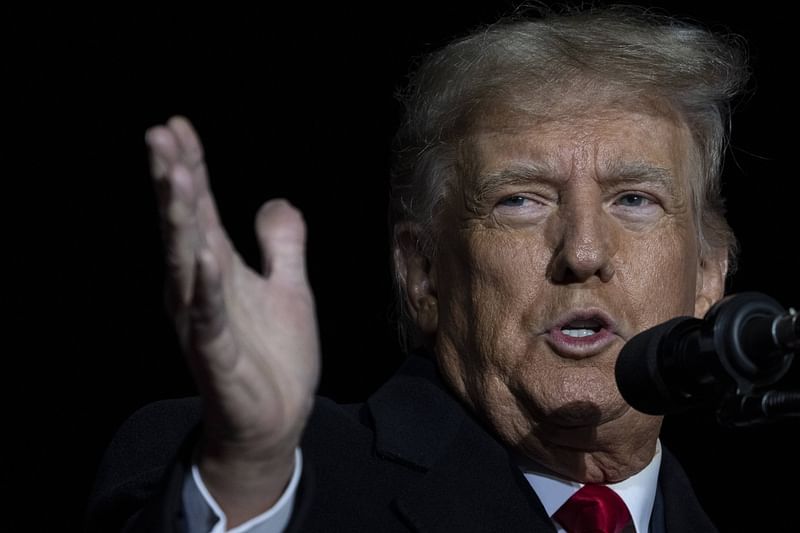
<point x="557" y="191"/>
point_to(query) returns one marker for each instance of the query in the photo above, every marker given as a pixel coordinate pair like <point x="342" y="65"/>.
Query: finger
<point x="191" y="150"/>
<point x="191" y="154"/>
<point x="164" y="150"/>
<point x="182" y="237"/>
<point x="210" y="336"/>
<point x="215" y="236"/>
<point x="177" y="146"/>
<point x="282" y="237"/>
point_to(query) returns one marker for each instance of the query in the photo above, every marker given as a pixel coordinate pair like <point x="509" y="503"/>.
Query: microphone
<point x="745" y="342"/>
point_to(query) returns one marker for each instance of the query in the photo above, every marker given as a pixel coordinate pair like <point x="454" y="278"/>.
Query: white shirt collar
<point x="638" y="491"/>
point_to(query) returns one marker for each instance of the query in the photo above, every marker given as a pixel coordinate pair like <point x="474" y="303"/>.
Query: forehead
<point x="598" y="143"/>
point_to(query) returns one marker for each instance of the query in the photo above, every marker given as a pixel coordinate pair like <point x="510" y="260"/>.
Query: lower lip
<point x="580" y="347"/>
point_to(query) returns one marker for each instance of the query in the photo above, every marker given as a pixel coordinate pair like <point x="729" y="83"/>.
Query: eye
<point x="633" y="200"/>
<point x="516" y="204"/>
<point x="636" y="207"/>
<point x="514" y="201"/>
<point x="520" y="208"/>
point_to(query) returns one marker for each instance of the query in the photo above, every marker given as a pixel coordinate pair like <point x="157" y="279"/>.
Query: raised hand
<point x="250" y="338"/>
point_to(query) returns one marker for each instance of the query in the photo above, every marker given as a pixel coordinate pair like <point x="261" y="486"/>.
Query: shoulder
<point x="149" y="445"/>
<point x="154" y="433"/>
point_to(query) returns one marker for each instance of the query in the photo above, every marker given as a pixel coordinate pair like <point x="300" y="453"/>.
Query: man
<point x="555" y="192"/>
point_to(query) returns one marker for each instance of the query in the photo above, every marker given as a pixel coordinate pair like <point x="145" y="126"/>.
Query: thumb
<point x="281" y="234"/>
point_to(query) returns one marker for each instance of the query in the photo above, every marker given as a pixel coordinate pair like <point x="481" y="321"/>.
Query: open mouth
<point x="582" y="333"/>
<point x="581" y="328"/>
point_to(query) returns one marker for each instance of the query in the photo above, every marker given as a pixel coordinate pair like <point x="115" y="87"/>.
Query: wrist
<point x="243" y="484"/>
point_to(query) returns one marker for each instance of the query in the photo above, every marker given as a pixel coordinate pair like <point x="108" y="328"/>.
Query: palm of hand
<point x="250" y="338"/>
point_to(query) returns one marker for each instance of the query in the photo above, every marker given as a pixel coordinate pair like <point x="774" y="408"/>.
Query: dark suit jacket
<point x="410" y="459"/>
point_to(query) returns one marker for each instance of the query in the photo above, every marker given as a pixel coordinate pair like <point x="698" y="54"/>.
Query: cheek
<point x="508" y="265"/>
<point x="487" y="271"/>
<point x="660" y="275"/>
<point x="487" y="286"/>
<point x="508" y="274"/>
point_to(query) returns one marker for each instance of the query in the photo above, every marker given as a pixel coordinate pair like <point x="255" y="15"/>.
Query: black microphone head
<point x="637" y="371"/>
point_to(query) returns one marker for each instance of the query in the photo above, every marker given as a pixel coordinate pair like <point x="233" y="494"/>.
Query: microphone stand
<point x="742" y="410"/>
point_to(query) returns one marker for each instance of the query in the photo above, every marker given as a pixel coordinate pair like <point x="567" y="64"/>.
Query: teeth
<point x="578" y="332"/>
<point x="581" y="328"/>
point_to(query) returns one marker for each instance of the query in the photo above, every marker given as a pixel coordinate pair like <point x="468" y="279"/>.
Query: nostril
<point x="580" y="265"/>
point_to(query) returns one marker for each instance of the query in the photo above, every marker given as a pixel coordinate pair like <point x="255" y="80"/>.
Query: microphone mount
<point x="755" y="340"/>
<point x="750" y="336"/>
<point x="732" y="358"/>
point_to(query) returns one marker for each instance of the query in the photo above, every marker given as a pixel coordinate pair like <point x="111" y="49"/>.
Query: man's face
<point x="567" y="238"/>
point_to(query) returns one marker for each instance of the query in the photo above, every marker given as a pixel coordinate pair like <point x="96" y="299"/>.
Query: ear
<point x="710" y="287"/>
<point x="416" y="277"/>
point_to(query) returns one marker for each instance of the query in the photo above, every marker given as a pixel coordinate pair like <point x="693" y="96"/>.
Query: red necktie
<point x="593" y="509"/>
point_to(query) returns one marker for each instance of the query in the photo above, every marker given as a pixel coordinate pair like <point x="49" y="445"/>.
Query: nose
<point x="585" y="244"/>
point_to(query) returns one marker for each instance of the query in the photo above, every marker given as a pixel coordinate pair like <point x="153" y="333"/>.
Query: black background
<point x="293" y="101"/>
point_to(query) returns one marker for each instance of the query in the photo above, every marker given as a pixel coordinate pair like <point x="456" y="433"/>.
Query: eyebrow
<point x="633" y="172"/>
<point x="640" y="172"/>
<point x="517" y="174"/>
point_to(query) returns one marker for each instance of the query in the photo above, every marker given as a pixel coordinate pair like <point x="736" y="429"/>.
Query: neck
<point x="587" y="455"/>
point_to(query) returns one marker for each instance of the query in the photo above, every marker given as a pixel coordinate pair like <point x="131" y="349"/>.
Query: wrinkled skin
<point x="250" y="337"/>
<point x="558" y="222"/>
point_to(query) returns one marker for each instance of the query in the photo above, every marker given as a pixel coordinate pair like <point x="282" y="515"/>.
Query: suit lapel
<point x="470" y="482"/>
<point x="680" y="509"/>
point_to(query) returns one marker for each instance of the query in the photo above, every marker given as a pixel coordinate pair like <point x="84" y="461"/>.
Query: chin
<point x="581" y="413"/>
